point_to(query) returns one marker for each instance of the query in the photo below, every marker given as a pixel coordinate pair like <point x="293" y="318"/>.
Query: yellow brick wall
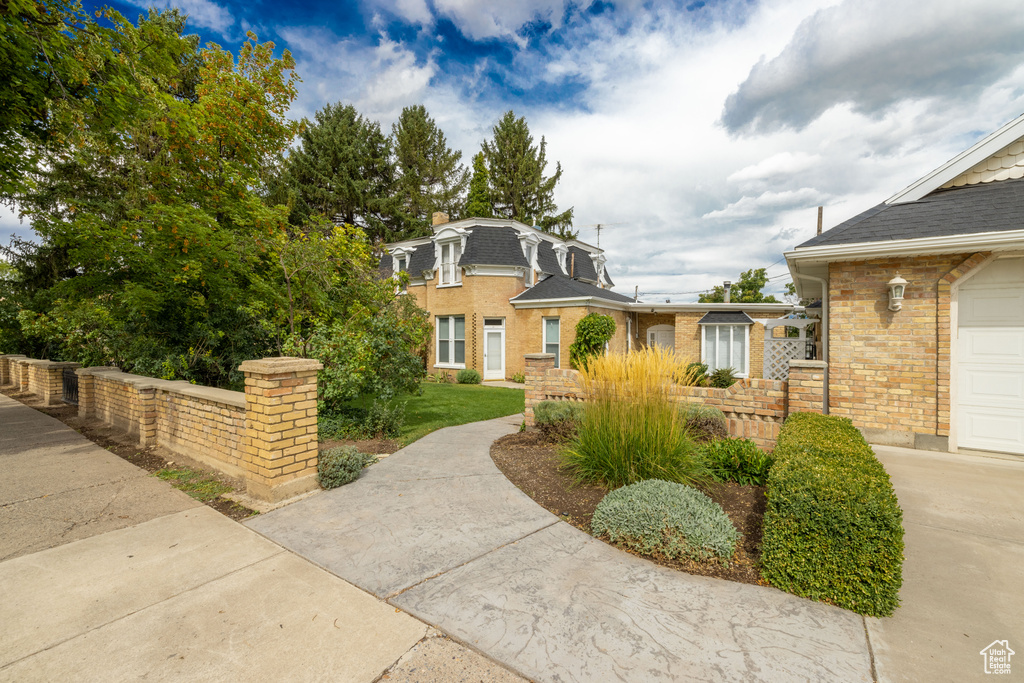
<point x="890" y="370"/>
<point x="487" y="296"/>
<point x="208" y="431"/>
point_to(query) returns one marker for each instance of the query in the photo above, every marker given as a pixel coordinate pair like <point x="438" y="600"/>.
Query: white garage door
<point x="990" y="359"/>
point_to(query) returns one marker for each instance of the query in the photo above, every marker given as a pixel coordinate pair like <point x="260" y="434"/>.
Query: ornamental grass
<point x="631" y="430"/>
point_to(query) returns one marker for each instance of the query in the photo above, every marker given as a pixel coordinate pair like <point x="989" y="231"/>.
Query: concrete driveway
<point x="962" y="577"/>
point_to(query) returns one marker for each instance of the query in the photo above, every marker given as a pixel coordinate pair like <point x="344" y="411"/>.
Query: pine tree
<point x="344" y="170"/>
<point x="519" y="189"/>
<point x="431" y="177"/>
<point x="478" y="203"/>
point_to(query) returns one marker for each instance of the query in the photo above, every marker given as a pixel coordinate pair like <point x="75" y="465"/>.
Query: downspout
<point x="824" y="332"/>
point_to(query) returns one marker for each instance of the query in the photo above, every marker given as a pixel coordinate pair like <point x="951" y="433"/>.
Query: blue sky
<point x="706" y="133"/>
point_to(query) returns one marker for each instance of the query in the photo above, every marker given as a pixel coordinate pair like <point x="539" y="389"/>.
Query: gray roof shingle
<point x="584" y="264"/>
<point x="562" y="287"/>
<point x="726" y="318"/>
<point x="493" y="247"/>
<point x="991" y="207"/>
<point x="547" y="259"/>
<point x="422" y="259"/>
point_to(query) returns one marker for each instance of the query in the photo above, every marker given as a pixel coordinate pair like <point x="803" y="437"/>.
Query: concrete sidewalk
<point x="438" y="531"/>
<point x="963" y="517"/>
<point x="137" y="580"/>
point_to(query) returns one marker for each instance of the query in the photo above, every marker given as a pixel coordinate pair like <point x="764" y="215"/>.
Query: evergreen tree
<point x="345" y="171"/>
<point x="431" y="177"/>
<point x="478" y="203"/>
<point x="519" y="189"/>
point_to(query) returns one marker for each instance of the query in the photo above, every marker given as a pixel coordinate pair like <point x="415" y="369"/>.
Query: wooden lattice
<point x="778" y="353"/>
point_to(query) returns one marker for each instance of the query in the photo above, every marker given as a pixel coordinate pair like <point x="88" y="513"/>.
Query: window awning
<point x="726" y="318"/>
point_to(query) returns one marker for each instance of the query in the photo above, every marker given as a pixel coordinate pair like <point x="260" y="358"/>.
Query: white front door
<point x="494" y="348"/>
<point x="990" y="359"/>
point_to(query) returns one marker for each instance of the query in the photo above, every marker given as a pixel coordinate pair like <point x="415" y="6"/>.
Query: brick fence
<point x="266" y="435"/>
<point x="754" y="408"/>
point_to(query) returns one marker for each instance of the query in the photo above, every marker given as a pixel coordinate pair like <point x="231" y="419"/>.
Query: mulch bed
<point x="532" y="463"/>
<point x="120" y="444"/>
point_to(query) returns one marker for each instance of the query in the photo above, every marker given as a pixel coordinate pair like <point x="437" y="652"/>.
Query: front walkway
<point x="438" y="531"/>
<point x="964" y="521"/>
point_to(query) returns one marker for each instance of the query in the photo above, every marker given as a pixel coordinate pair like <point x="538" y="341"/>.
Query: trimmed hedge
<point x="833" y="530"/>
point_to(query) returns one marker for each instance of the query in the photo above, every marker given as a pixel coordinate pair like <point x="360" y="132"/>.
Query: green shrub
<point x="833" y="528"/>
<point x="630" y="430"/>
<point x="696" y="375"/>
<point x="703" y="423"/>
<point x="738" y="460"/>
<point x="519" y="378"/>
<point x="383" y="420"/>
<point x="661" y="517"/>
<point x="558" y="420"/>
<point x="338" y="466"/>
<point x="592" y="332"/>
<point x="468" y="376"/>
<point x="722" y="378"/>
<point x="341" y="422"/>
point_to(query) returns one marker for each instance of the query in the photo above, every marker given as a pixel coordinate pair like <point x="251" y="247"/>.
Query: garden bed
<point x="532" y="463"/>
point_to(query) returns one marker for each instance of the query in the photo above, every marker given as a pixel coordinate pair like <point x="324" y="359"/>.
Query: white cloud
<point x="873" y="54"/>
<point x="202" y="13"/>
<point x="767" y="202"/>
<point x="781" y="164"/>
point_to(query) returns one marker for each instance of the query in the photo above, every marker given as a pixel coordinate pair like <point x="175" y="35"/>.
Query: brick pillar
<point x="7" y="367"/>
<point x="537" y="365"/>
<point x="280" y="443"/>
<point x="24" y="377"/>
<point x="806" y="390"/>
<point x="146" y="398"/>
<point x="87" y="388"/>
<point x="53" y="384"/>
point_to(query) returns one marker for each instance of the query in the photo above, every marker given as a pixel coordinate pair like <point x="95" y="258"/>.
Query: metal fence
<point x="70" y="386"/>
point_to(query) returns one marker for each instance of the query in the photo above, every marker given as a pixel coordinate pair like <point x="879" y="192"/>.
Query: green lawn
<point x="445" y="405"/>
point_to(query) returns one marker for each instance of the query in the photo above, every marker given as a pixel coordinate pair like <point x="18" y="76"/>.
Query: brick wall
<point x="889" y="371"/>
<point x="754" y="408"/>
<point x="266" y="436"/>
<point x="487" y="296"/>
<point x="688" y="331"/>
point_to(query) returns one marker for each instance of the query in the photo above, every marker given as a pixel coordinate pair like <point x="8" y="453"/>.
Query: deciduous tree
<point x="747" y="290"/>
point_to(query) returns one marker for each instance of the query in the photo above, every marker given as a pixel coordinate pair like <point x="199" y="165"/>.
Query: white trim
<point x="982" y="241"/>
<point x="491" y="329"/>
<point x="961" y="163"/>
<point x="544" y="337"/>
<point x="452" y="365"/>
<point x="494" y="271"/>
<point x="457" y="284"/>
<point x="952" y="441"/>
<point x="642" y="307"/>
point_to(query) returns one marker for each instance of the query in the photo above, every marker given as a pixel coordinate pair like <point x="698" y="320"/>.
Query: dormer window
<point x="451" y="252"/>
<point x="560" y="251"/>
<point x="529" y="242"/>
<point x="400" y="264"/>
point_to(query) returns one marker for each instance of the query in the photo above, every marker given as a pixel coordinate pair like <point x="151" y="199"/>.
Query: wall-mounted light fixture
<point x="897" y="286"/>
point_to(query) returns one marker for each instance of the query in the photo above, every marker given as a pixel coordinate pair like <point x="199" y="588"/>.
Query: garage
<point x="990" y="358"/>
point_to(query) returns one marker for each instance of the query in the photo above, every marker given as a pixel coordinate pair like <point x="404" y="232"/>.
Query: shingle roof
<point x="385" y="265"/>
<point x="547" y="259"/>
<point x="584" y="264"/>
<point x="608" y="277"/>
<point x="422" y="259"/>
<point x="990" y="207"/>
<point x="561" y="287"/>
<point x="493" y="247"/>
<point x="726" y="318"/>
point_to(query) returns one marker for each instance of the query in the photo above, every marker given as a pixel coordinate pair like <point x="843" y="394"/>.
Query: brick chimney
<point x="439" y="218"/>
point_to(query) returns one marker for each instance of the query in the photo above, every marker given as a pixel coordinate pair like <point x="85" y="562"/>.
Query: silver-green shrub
<point x="656" y="516"/>
<point x="703" y="423"/>
<point x="340" y="465"/>
<point x="558" y="420"/>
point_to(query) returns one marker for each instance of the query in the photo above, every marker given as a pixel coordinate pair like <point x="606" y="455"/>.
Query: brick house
<point x="498" y="289"/>
<point x="943" y="368"/>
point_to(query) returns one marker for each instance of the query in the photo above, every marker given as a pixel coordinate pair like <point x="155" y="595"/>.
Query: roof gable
<point x="990" y="147"/>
